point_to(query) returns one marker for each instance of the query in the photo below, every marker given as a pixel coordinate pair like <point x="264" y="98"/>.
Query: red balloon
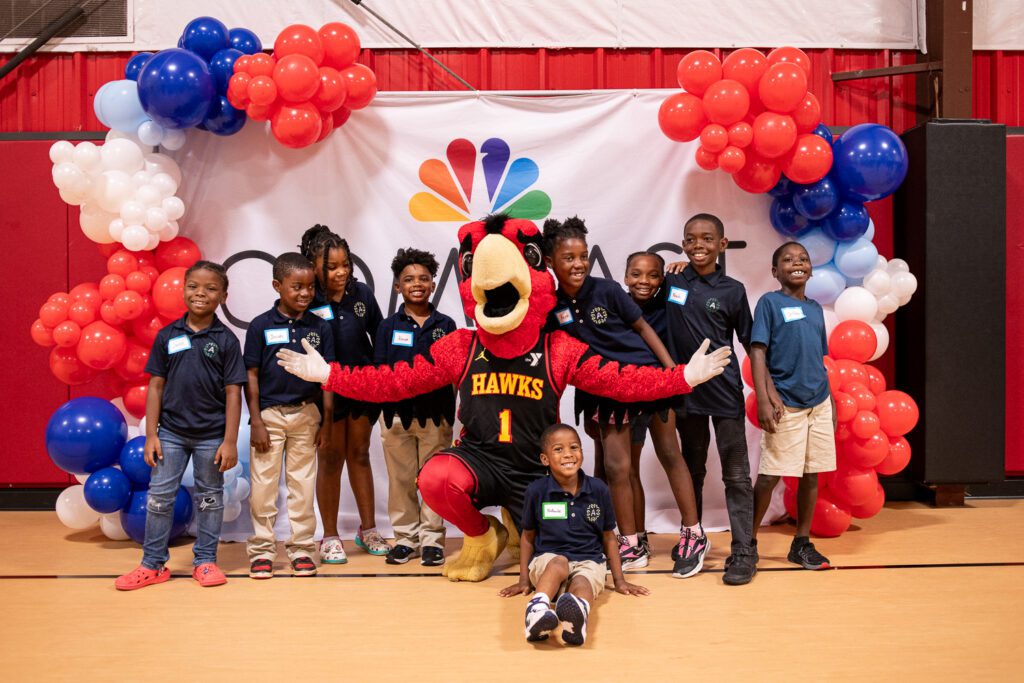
<point x="261" y="91"/>
<point x="41" y="334"/>
<point x="790" y="55"/>
<point x="87" y="292"/>
<point x="714" y="138"/>
<point x="681" y="117"/>
<point x="145" y="328"/>
<point x="109" y="315"/>
<point x="758" y="176"/>
<point x="846" y="407"/>
<point x="299" y="39"/>
<point x="111" y="286"/>
<point x="262" y="64"/>
<point x="138" y="281"/>
<point x="697" y="71"/>
<point x="876" y="380"/>
<point x="179" y="252"/>
<point x="830" y="519"/>
<point x="850" y="370"/>
<point x="297" y="78"/>
<point x="872" y="506"/>
<point x="297" y="125"/>
<point x="861" y="394"/>
<point x="807" y="114"/>
<point x="134" y="399"/>
<point x="705" y="159"/>
<point x="774" y="134"/>
<point x="867" y="453"/>
<point x="747" y="372"/>
<point x="782" y="87"/>
<point x="835" y="382"/>
<point x="809" y="161"/>
<point x="843" y="432"/>
<point x="53" y="313"/>
<point x="82" y="312"/>
<point x="66" y="367"/>
<point x="132" y="365"/>
<point x="745" y="65"/>
<point x="897" y="458"/>
<point x="897" y="411"/>
<point x="67" y="334"/>
<point x="853" y="486"/>
<point x="750" y="406"/>
<point x="242" y="65"/>
<point x="238" y="88"/>
<point x="726" y="102"/>
<point x="341" y="45"/>
<point x="60" y="297"/>
<point x="361" y="83"/>
<point x="865" y="424"/>
<point x="122" y="262"/>
<point x="852" y="340"/>
<point x="340" y="116"/>
<point x="331" y="92"/>
<point x="732" y="159"/>
<point x="741" y="134"/>
<point x="101" y="345"/>
<point x="129" y="305"/>
<point x="169" y="293"/>
<point x="326" y="125"/>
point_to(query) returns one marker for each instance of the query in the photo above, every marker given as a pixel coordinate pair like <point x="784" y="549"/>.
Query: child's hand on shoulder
<point x="153" y="451"/>
<point x="627" y="588"/>
<point x="675" y="267"/>
<point x="227" y="456"/>
<point x="259" y="437"/>
<point x="518" y="588"/>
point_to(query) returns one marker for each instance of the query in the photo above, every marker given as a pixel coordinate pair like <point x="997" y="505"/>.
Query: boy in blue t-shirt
<point x="568" y="530"/>
<point x="794" y="405"/>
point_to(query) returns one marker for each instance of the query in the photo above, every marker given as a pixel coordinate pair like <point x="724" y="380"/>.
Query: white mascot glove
<point x="310" y="366"/>
<point x="703" y="366"/>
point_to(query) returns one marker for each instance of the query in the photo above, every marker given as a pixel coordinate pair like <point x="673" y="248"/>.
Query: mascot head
<point x="505" y="287"/>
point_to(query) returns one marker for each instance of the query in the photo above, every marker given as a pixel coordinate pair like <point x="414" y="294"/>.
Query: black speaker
<point x="950" y="226"/>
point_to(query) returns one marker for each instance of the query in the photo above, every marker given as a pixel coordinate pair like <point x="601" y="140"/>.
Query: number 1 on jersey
<point x="505" y="418"/>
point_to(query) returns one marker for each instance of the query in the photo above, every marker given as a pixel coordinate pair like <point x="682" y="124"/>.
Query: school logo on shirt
<point x="359" y="308"/>
<point x="210" y="349"/>
<point x="313" y="338"/>
<point x="713" y="305"/>
<point x="599" y="315"/>
<point x="593" y="512"/>
<point x="437" y="333"/>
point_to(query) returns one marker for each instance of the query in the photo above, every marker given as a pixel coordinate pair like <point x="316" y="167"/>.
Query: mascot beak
<point x="500" y="284"/>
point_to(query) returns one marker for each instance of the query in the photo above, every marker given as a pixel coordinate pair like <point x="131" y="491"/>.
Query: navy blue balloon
<point x="870" y="162"/>
<point x="848" y="223"/>
<point x="182" y="512"/>
<point x="245" y="41"/>
<point x="781" y="188"/>
<point x="222" y="118"/>
<point x="133" y="462"/>
<point x="817" y="200"/>
<point x="785" y="219"/>
<point x="85" y="434"/>
<point x="823" y="132"/>
<point x="133" y="515"/>
<point x="222" y="68"/>
<point x="175" y="88"/>
<point x="107" y="490"/>
<point x="135" y="64"/>
<point x="205" y="36"/>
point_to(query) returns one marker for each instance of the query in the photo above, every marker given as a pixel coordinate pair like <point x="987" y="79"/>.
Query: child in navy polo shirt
<point x="568" y="531"/>
<point x="192" y="411"/>
<point x="600" y="313"/>
<point x="794" y="404"/>
<point x="424" y="424"/>
<point x="285" y="419"/>
<point x="704" y="303"/>
<point x="354" y="316"/>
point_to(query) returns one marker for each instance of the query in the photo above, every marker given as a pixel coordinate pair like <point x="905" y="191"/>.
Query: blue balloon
<point x="781" y="188"/>
<point x="870" y="162"/>
<point x="825" y="285"/>
<point x="869" y="235"/>
<point x="205" y="36"/>
<point x="823" y="132"/>
<point x="135" y="64"/>
<point x="820" y="247"/>
<point x="856" y="259"/>
<point x="118" y="106"/>
<point x="133" y="515"/>
<point x="848" y="223"/>
<point x="107" y="490"/>
<point x="188" y="477"/>
<point x="222" y="118"/>
<point x="85" y="434"/>
<point x="133" y="462"/>
<point x="222" y="68"/>
<point x="182" y="512"/>
<point x="176" y="88"/>
<point x="817" y="200"/>
<point x="245" y="41"/>
<point x="785" y="219"/>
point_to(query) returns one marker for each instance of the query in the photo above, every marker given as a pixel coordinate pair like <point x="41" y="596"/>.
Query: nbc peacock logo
<point x="454" y="197"/>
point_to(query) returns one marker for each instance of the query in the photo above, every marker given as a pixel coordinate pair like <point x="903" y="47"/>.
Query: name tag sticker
<point x="678" y="295"/>
<point x="791" y="313"/>
<point x="276" y="336"/>
<point x="179" y="343"/>
<point x="325" y="312"/>
<point x="400" y="338"/>
<point x="554" y="511"/>
<point x="564" y="316"/>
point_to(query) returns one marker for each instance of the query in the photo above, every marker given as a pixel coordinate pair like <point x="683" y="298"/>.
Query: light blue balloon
<point x="825" y="285"/>
<point x="120" y="106"/>
<point x="820" y="247"/>
<point x="231" y="475"/>
<point x="870" y="234"/>
<point x="188" y="480"/>
<point x="856" y="259"/>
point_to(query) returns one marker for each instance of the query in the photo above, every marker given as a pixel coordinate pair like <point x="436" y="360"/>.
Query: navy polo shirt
<point x="793" y="330"/>
<point x="567" y="525"/>
<point x="602" y="315"/>
<point x="354" y="321"/>
<point x="714" y="307"/>
<point x="653" y="311"/>
<point x="269" y="333"/>
<point x="197" y="367"/>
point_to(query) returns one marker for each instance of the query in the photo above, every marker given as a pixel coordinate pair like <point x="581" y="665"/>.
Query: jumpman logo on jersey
<point x="482" y="356"/>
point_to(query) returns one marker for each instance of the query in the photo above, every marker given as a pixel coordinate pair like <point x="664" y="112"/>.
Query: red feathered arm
<point x="385" y="384"/>
<point x="574" y="363"/>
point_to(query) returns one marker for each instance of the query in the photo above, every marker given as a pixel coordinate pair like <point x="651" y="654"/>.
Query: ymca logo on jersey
<point x="508" y="384"/>
<point x="210" y="349"/>
<point x="599" y="315"/>
<point x="534" y="358"/>
<point x="314" y="339"/>
<point x="359" y="308"/>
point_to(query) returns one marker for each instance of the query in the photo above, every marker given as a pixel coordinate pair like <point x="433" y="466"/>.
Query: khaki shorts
<point x="593" y="572"/>
<point x="803" y="443"/>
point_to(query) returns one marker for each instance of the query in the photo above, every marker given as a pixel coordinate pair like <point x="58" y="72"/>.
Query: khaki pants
<point x="593" y="572"/>
<point x="292" y="432"/>
<point x="405" y="452"/>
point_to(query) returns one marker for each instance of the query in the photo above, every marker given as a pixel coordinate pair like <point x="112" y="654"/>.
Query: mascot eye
<point x="467" y="264"/>
<point x="531" y="252"/>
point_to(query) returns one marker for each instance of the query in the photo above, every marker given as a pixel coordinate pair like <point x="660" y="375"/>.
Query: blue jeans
<point x="163" y="489"/>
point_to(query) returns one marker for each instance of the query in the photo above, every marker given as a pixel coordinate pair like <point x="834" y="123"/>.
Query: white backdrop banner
<point x="411" y="168"/>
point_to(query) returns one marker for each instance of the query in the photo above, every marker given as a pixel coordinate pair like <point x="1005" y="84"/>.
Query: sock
<point x="799" y="541"/>
<point x="331" y="538"/>
<point x="697" y="530"/>
<point x="631" y="539"/>
<point x="539" y="597"/>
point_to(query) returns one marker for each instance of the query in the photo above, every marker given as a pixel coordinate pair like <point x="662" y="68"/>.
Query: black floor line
<point x="642" y="572"/>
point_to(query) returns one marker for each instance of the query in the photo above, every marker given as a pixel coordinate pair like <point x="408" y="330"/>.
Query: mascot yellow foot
<point x="474" y="561"/>
<point x="513" y="535"/>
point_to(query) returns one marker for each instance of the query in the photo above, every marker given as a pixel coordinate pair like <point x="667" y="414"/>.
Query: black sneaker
<point x="303" y="566"/>
<point x="261" y="569"/>
<point x="632" y="556"/>
<point x="572" y="613"/>
<point x="803" y="553"/>
<point x="400" y="554"/>
<point x="739" y="569"/>
<point x="432" y="556"/>
<point x="645" y="543"/>
<point x="690" y="552"/>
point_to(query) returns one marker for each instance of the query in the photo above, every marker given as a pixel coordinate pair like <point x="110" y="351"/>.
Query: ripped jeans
<point x="163" y="489"/>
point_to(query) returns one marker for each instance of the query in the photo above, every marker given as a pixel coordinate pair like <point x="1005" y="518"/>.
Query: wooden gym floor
<point x="918" y="594"/>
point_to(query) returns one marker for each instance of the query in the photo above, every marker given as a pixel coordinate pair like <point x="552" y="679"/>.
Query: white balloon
<point x="148" y="195"/>
<point x="904" y="300"/>
<point x="156" y="219"/>
<point x="133" y="212"/>
<point x="73" y="198"/>
<point x="121" y="135"/>
<point x="61" y="151"/>
<point x="856" y="303"/>
<point x="904" y="284"/>
<point x="96" y="224"/>
<point x="888" y="304"/>
<point x="141" y="178"/>
<point x="87" y="156"/>
<point x="121" y="155"/>
<point x="150" y="133"/>
<point x="111" y="527"/>
<point x="831" y="320"/>
<point x="877" y="282"/>
<point x="164" y="183"/>
<point x="67" y="176"/>
<point x="232" y="510"/>
<point x="73" y="511"/>
<point x="242" y="489"/>
<point x="882" y="337"/>
<point x="173" y="207"/>
<point x="153" y="242"/>
<point x="135" y="238"/>
<point x="113" y="189"/>
<point x="133" y="432"/>
<point x="142" y="426"/>
<point x="896" y="265"/>
<point x="881" y="262"/>
<point x="174" y="139"/>
<point x="169" y="232"/>
<point x="161" y="163"/>
<point x="81" y="478"/>
<point x="116" y="229"/>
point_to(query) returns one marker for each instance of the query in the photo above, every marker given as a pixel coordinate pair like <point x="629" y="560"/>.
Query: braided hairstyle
<point x="317" y="242"/>
<point x="556" y="231"/>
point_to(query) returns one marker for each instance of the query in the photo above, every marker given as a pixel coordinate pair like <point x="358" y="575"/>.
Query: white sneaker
<point x="332" y="552"/>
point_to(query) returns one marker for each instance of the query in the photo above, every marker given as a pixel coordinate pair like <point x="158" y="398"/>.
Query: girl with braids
<point x="352" y="311"/>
